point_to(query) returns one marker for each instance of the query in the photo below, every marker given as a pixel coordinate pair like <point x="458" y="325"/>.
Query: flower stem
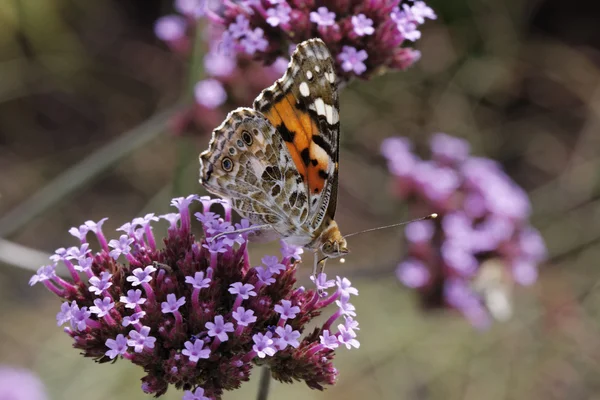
<point x="264" y="384"/>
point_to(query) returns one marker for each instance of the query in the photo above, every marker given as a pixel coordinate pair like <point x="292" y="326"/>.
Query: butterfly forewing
<point x="303" y="106"/>
<point x="278" y="162"/>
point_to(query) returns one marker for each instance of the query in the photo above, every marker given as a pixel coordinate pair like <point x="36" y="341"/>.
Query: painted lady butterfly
<point x="278" y="162"/>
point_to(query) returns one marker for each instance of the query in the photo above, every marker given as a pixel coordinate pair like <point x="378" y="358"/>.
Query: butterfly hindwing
<point x="247" y="162"/>
<point x="303" y="106"/>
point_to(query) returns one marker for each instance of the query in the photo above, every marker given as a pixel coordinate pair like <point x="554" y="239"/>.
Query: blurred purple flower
<point x="263" y="29"/>
<point x="362" y="25"/>
<point x="480" y="244"/>
<point x="20" y="384"/>
<point x="170" y="28"/>
<point x="210" y="93"/>
<point x="322" y="17"/>
<point x="352" y="60"/>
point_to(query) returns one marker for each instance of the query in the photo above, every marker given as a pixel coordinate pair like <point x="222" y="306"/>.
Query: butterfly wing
<point x="248" y="163"/>
<point x="303" y="106"/>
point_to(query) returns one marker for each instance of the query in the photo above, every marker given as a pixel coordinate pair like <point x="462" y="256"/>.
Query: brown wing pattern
<point x="303" y="106"/>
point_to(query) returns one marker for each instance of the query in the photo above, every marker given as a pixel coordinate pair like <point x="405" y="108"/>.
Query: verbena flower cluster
<point x="196" y="314"/>
<point x="365" y="37"/>
<point x="481" y="242"/>
<point x="231" y="80"/>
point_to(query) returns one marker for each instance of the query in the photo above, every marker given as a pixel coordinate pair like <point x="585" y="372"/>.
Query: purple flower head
<point x="99" y="285"/>
<point x="101" y="307"/>
<point x="117" y="346"/>
<point x="328" y="340"/>
<point x="286" y="310"/>
<point x="195" y="351"/>
<point x="170" y="28"/>
<point x="240" y="27"/>
<point x="279" y="15"/>
<point x="216" y="63"/>
<point x="141" y="275"/>
<point x="322" y="17"/>
<point x="198" y="394"/>
<point x="85" y="264"/>
<point x="78" y="252"/>
<point x="80" y="233"/>
<point x="353" y="59"/>
<point x="244" y="317"/>
<point x="362" y="25"/>
<point x="345" y="288"/>
<point x="121" y="246"/>
<point x="141" y="340"/>
<point x="413" y="273"/>
<point x="287" y="337"/>
<point x="288" y="250"/>
<point x="347" y="337"/>
<point x="524" y="272"/>
<point x="482" y="221"/>
<point x="210" y="93"/>
<point x="198" y="281"/>
<point x="322" y="283"/>
<point x="173" y="219"/>
<point x="346" y="308"/>
<point x="448" y="148"/>
<point x="398" y="152"/>
<point x="254" y="41"/>
<point x="263" y="345"/>
<point x="134" y="318"/>
<point x="79" y="317"/>
<point x="203" y="283"/>
<point x="242" y="290"/>
<point x="134" y="298"/>
<point x="421" y="11"/>
<point x="219" y="328"/>
<point x="191" y="8"/>
<point x="273" y="264"/>
<point x="183" y="203"/>
<point x="43" y="274"/>
<point x="264" y="275"/>
<point x="419" y="231"/>
<point x="20" y="384"/>
<point x="65" y="313"/>
<point x="172" y="304"/>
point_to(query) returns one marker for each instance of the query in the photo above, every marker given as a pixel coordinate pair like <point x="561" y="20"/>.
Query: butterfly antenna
<point x="430" y="216"/>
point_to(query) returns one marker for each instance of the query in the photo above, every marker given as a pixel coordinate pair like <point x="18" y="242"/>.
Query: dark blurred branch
<point x="83" y="172"/>
<point x="264" y="384"/>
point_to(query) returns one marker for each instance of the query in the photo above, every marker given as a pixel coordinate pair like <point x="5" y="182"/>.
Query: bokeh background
<point x="87" y="100"/>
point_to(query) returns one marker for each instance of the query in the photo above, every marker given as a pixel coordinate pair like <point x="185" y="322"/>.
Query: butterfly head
<point x="333" y="244"/>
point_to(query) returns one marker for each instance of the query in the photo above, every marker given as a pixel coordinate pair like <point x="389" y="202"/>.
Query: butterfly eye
<point x="247" y="138"/>
<point x="227" y="164"/>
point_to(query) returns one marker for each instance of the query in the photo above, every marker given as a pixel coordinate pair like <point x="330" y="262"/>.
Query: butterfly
<point x="277" y="163"/>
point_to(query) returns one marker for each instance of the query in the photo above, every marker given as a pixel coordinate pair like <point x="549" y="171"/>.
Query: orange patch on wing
<point x="303" y="127"/>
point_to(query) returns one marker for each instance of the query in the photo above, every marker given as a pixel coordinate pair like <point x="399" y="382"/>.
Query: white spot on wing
<point x="320" y="106"/>
<point x="304" y="90"/>
<point x="330" y="77"/>
<point x="309" y="74"/>
<point x="317" y="68"/>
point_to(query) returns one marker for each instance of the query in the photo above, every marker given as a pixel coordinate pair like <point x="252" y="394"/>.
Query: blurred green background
<point x="86" y="96"/>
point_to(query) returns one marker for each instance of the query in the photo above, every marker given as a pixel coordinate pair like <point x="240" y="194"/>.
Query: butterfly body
<point x="278" y="162"/>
